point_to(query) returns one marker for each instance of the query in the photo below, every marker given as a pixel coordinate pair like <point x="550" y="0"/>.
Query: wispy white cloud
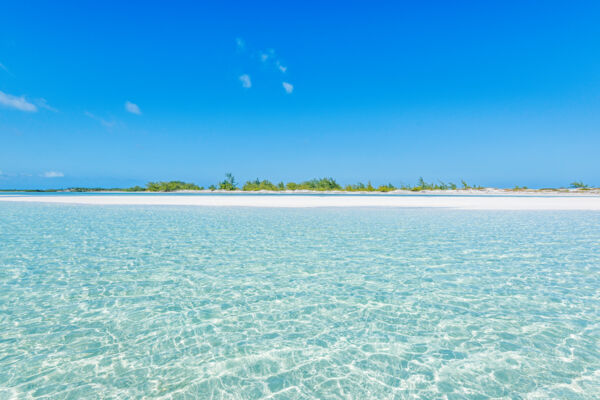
<point x="240" y="44"/>
<point x="4" y="175"/>
<point x="108" y="124"/>
<point x="266" y="55"/>
<point x="280" y="66"/>
<point x="246" y="82"/>
<point x="16" y="102"/>
<point x="2" y="66"/>
<point x="288" y="87"/>
<point x="269" y="59"/>
<point x="52" y="174"/>
<point x="132" y="108"/>
<point x="42" y="103"/>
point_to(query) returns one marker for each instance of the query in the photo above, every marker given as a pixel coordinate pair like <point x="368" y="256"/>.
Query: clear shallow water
<point x="192" y="302"/>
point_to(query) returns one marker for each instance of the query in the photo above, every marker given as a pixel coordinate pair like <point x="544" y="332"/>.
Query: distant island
<point x="314" y="185"/>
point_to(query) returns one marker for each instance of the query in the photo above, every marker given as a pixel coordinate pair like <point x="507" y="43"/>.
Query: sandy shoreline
<point x="481" y="202"/>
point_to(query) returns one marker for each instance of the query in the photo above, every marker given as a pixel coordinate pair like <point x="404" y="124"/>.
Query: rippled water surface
<point x="166" y="302"/>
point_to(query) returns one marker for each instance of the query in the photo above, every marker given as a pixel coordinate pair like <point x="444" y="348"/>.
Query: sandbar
<point x="479" y="202"/>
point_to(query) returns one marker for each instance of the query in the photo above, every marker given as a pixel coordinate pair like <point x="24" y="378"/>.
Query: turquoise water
<point x="183" y="302"/>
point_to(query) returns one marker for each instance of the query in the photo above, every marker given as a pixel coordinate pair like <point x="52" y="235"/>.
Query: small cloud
<point x="271" y="57"/>
<point x="52" y="174"/>
<point x="246" y="82"/>
<point x="42" y="103"/>
<point x="132" y="108"/>
<point x="239" y="42"/>
<point x="4" y="175"/>
<point x="108" y="124"/>
<point x="280" y="66"/>
<point x="2" y="66"/>
<point x="266" y="55"/>
<point x="18" y="103"/>
<point x="288" y="87"/>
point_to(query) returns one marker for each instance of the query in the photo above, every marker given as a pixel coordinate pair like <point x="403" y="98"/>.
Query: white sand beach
<point x="466" y="202"/>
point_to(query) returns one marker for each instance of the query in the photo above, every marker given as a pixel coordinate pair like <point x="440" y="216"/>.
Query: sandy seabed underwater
<point x="249" y="303"/>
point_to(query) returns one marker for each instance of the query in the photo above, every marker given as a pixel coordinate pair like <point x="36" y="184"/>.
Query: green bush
<point x="579" y="185"/>
<point x="229" y="183"/>
<point x="170" y="186"/>
<point x="261" y="185"/>
<point x="322" y="184"/>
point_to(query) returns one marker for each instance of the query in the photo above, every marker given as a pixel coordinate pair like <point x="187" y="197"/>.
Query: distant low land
<point x="322" y="185"/>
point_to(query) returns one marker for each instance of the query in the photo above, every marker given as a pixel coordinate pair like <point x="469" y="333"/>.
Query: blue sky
<point x="119" y="93"/>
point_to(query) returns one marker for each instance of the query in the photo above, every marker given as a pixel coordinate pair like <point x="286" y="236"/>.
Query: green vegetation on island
<point x="228" y="183"/>
<point x="316" y="185"/>
<point x="170" y="186"/>
<point x="579" y="185"/>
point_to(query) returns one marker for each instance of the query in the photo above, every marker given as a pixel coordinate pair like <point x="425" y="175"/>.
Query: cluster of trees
<point x="361" y="187"/>
<point x="421" y="185"/>
<point x="252" y="186"/>
<point x="170" y="186"/>
<point x="579" y="185"/>
<point x="323" y="184"/>
<point x="228" y="183"/>
<point x="330" y="184"/>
